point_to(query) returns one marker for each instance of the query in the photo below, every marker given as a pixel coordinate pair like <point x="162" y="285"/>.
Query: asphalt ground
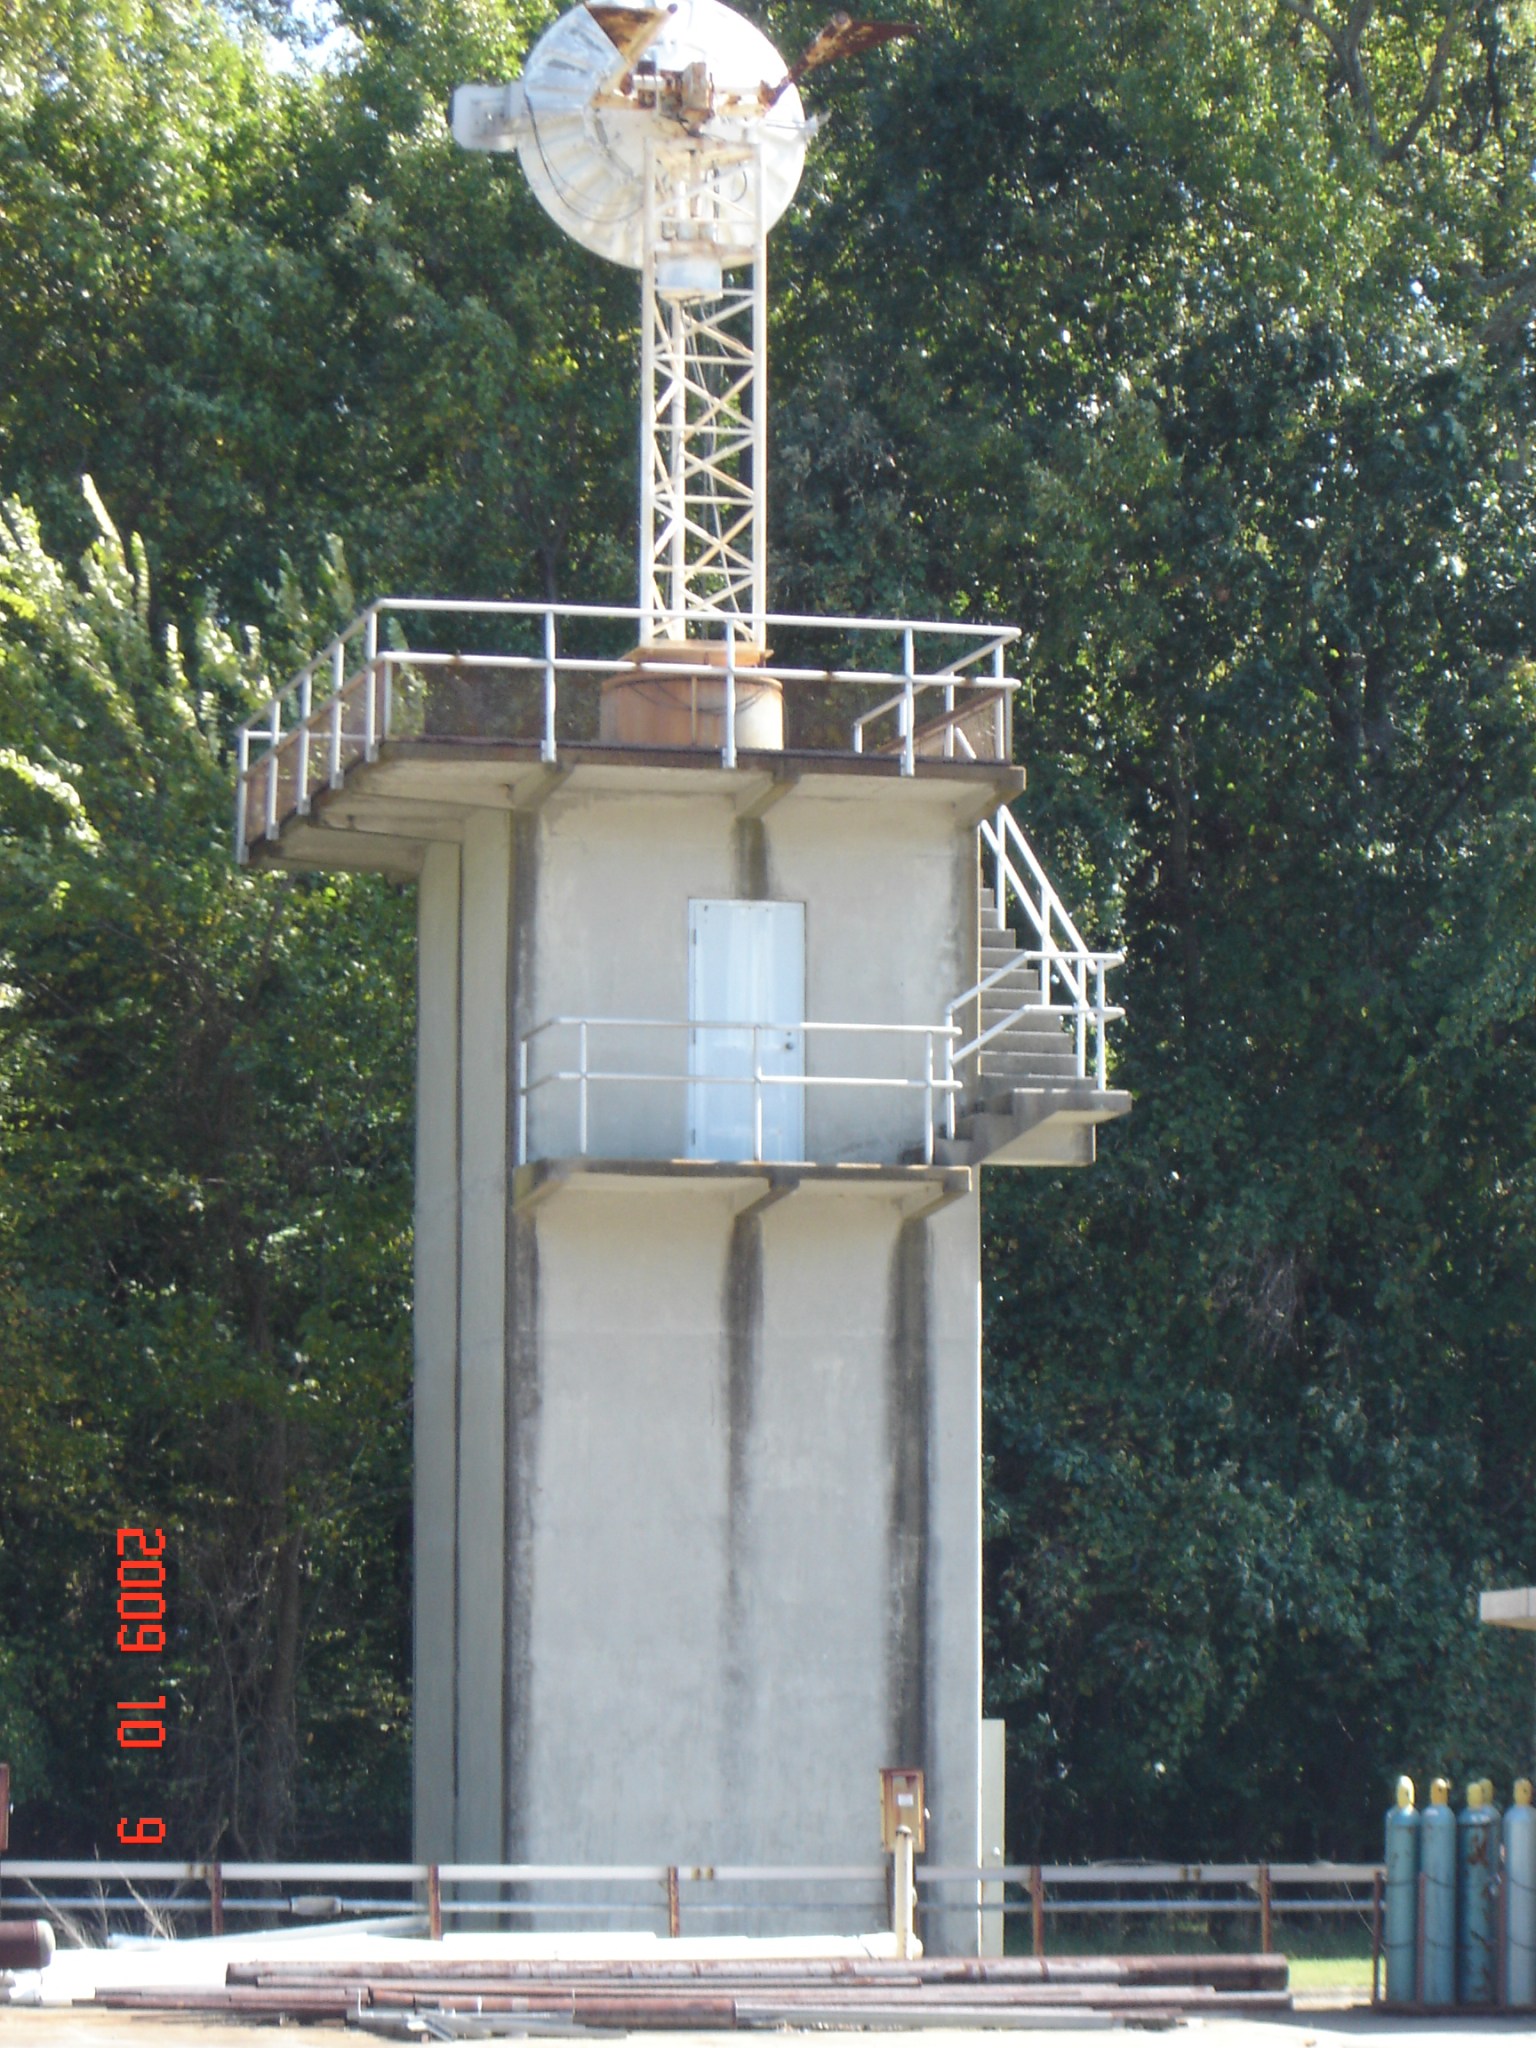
<point x="1316" y="2024"/>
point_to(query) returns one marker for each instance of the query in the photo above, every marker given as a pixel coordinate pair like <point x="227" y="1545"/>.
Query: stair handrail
<point x="1097" y="1012"/>
<point x="1069" y="959"/>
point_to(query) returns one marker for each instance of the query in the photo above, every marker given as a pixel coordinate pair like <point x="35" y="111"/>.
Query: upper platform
<point x="435" y="696"/>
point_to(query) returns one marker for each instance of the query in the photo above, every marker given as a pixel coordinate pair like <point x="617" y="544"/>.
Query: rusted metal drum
<point x="645" y="707"/>
<point x="25" y="1944"/>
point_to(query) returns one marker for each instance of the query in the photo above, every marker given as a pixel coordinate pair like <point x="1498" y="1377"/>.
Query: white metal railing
<point x="342" y="705"/>
<point x="1070" y="975"/>
<point x="584" y="1075"/>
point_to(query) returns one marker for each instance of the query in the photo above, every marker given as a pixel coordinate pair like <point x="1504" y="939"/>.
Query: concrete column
<point x="954" y="1568"/>
<point x="437" y="1346"/>
<point x="484" y="963"/>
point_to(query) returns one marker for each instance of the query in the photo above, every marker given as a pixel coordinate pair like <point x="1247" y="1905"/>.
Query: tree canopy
<point x="1194" y="338"/>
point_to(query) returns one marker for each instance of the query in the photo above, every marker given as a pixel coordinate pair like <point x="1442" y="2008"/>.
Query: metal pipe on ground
<point x="25" y="1944"/>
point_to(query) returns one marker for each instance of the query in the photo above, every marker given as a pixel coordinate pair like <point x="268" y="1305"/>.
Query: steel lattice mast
<point x="703" y="378"/>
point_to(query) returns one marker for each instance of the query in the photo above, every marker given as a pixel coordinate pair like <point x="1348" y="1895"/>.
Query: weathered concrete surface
<point x="698" y="1477"/>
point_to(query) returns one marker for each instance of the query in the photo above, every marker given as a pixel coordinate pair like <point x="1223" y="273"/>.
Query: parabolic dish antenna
<point x="671" y="138"/>
<point x="585" y="138"/>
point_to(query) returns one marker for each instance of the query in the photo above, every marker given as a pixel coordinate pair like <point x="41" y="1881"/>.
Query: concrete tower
<point x="717" y="1024"/>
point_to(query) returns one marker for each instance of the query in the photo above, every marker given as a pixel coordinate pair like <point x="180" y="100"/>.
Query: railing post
<point x="215" y="1898"/>
<point x="949" y="1076"/>
<point x="1266" y="1924"/>
<point x="370" y="680"/>
<point x="908" y="706"/>
<point x="581" y="1062"/>
<point x="1002" y="710"/>
<point x="1000" y="872"/>
<point x="242" y="792"/>
<point x="547" y="745"/>
<point x="306" y="707"/>
<point x="1101" y="1062"/>
<point x="434" y="1903"/>
<point x="1036" y="1910"/>
<point x="728" y="751"/>
<point x="928" y="1100"/>
<point x="674" y="1903"/>
<point x="757" y="1094"/>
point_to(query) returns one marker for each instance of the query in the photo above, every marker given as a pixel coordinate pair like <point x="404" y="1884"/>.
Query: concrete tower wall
<point x="698" y="1487"/>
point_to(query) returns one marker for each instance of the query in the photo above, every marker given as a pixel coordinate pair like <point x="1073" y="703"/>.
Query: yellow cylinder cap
<point x="1405" y="1791"/>
<point x="1522" y="1791"/>
<point x="1476" y="1796"/>
<point x="1440" y="1792"/>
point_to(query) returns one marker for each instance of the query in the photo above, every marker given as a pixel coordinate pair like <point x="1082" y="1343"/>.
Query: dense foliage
<point x="1195" y="337"/>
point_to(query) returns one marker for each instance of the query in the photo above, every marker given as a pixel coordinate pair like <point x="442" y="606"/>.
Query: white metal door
<point x="746" y="996"/>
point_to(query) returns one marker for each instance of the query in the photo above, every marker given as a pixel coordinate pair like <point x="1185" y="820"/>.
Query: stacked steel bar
<point x="717" y="1994"/>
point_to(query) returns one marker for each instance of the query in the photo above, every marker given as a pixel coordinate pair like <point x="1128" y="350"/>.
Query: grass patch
<point x="1314" y="1974"/>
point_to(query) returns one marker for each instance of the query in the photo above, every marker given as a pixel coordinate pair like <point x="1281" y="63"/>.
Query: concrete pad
<point x="1316" y="2027"/>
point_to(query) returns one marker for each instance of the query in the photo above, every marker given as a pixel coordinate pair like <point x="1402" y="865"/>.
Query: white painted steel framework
<point x="704" y="383"/>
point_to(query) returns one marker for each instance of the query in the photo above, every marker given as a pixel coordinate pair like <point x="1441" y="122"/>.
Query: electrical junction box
<point x="901" y="1806"/>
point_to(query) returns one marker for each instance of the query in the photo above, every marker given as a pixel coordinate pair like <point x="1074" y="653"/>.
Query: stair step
<point x="1031" y="1072"/>
<point x="998" y="1012"/>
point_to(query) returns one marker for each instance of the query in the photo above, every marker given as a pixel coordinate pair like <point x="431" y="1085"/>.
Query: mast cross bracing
<point x="704" y="452"/>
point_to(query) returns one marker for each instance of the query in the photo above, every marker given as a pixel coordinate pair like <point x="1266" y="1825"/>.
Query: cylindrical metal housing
<point x="1477" y="1859"/>
<point x="1401" y="1899"/>
<point x="1520" y="1898"/>
<point x="1437" y="1862"/>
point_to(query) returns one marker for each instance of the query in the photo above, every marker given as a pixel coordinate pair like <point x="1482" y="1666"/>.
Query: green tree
<point x="204" y="1180"/>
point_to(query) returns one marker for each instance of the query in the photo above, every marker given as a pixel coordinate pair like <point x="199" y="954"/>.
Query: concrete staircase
<point x="1027" y="1105"/>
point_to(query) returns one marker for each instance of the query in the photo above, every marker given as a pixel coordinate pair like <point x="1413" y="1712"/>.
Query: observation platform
<point x="428" y="714"/>
<point x="429" y="702"/>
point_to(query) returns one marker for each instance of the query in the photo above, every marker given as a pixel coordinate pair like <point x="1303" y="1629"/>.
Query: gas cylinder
<point x="1477" y="1871"/>
<point x="1401" y="1902"/>
<point x="1520" y="1898"/>
<point x="1437" y="1861"/>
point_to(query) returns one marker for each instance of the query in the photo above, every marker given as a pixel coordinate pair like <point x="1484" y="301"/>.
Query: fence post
<point x="904" y="1896"/>
<point x="215" y="1898"/>
<point x="1376" y="1892"/>
<point x="1266" y="1927"/>
<point x="674" y="1903"/>
<point x="434" y="1902"/>
<point x="1036" y="1910"/>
